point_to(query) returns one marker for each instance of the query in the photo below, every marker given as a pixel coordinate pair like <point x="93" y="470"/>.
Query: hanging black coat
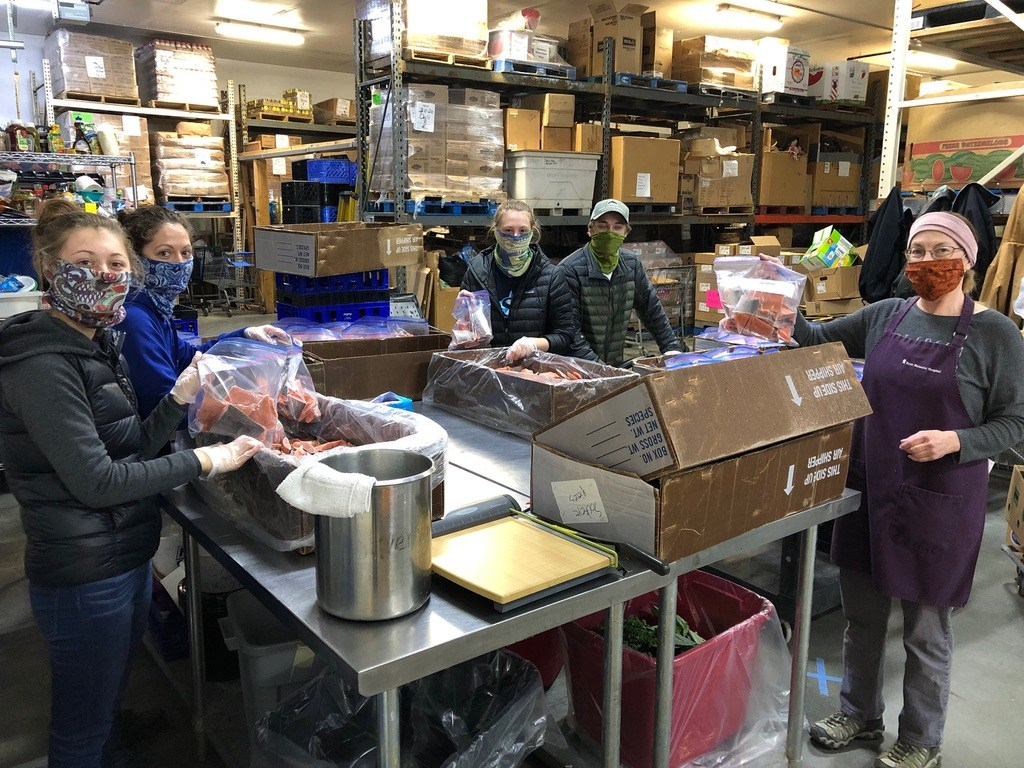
<point x="940" y="200"/>
<point x="884" y="259"/>
<point x="973" y="203"/>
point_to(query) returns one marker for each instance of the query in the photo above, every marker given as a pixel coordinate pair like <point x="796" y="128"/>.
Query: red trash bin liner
<point x="711" y="683"/>
<point x="544" y="651"/>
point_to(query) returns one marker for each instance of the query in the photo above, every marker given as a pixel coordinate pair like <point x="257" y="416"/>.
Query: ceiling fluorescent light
<point x="932" y="87"/>
<point x="747" y="18"/>
<point x="931" y="61"/>
<point x="257" y="33"/>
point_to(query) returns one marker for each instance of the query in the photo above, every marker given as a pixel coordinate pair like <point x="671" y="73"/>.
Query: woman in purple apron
<point x="945" y="378"/>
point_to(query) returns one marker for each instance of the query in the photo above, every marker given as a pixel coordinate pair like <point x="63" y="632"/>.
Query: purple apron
<point x="919" y="528"/>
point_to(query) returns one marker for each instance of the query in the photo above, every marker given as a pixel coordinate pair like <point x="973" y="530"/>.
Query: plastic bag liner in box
<point x="729" y="694"/>
<point x="761" y="298"/>
<point x="247" y="496"/>
<point x="485" y="713"/>
<point x="479" y="385"/>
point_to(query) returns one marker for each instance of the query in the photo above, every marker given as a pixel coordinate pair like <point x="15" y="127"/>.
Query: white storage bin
<point x="552" y="179"/>
<point x="22" y="301"/>
<point x="272" y="661"/>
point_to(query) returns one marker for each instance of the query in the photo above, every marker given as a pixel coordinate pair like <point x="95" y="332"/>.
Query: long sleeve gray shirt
<point x="990" y="372"/>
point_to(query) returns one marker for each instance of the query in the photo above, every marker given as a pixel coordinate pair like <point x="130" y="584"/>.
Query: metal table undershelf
<point x="455" y="625"/>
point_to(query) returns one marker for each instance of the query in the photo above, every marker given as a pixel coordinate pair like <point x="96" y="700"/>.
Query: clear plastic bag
<point x="761" y="298"/>
<point x="479" y="384"/>
<point x="472" y="315"/>
<point x="729" y="694"/>
<point x="484" y="713"/>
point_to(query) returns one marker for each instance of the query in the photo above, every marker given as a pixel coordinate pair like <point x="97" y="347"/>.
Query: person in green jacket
<point x="606" y="281"/>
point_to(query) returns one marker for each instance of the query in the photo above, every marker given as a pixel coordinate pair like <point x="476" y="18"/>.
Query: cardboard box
<point x="828" y="249"/>
<point x="707" y="303"/>
<point x="317" y="250"/>
<point x="556" y="139"/>
<point x="783" y="68"/>
<point x="961" y="143"/>
<point x="784" y="178"/>
<point x="833" y="308"/>
<point x="623" y="26"/>
<point x="580" y="48"/>
<point x="716" y="61"/>
<point x="838" y="283"/>
<point x="839" y="81"/>
<point x="767" y="244"/>
<point x="911" y="90"/>
<point x="556" y="109"/>
<point x="335" y="111"/>
<point x="1015" y="507"/>
<point x="659" y="424"/>
<point x="363" y="368"/>
<point x="273" y="141"/>
<point x="686" y="512"/>
<point x="656" y="52"/>
<point x="835" y="175"/>
<point x="522" y="129"/>
<point x="644" y="170"/>
<point x="723" y="182"/>
<point x="587" y="137"/>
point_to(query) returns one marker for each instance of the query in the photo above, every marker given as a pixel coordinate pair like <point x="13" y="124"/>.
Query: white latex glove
<point x="520" y="349"/>
<point x="186" y="388"/>
<point x="227" y="457"/>
<point x="269" y="334"/>
<point x="672" y="352"/>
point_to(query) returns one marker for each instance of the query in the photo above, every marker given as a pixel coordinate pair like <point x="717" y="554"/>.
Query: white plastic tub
<point x="552" y="180"/>
<point x="23" y="301"/>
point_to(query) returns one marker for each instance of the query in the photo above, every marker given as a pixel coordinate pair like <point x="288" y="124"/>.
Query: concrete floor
<point x="983" y="729"/>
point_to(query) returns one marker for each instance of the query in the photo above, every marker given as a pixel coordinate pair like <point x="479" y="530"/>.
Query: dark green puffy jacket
<point x="602" y="306"/>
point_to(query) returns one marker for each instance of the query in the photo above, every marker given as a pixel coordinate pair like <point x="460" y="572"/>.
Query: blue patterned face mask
<point x="164" y="281"/>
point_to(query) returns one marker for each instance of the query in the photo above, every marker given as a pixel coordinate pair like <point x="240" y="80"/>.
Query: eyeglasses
<point x="939" y="253"/>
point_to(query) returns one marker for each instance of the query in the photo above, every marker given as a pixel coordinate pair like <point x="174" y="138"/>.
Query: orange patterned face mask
<point x="934" y="279"/>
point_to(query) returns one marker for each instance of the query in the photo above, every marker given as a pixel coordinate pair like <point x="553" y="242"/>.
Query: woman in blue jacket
<point x="152" y="347"/>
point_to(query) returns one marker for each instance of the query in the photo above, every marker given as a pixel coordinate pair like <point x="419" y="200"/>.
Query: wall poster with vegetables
<point x="962" y="161"/>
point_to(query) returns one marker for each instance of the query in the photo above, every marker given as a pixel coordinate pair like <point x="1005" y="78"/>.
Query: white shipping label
<point x="95" y="68"/>
<point x="730" y="169"/>
<point x="278" y="166"/>
<point x="422" y="116"/>
<point x="131" y="125"/>
<point x="519" y="46"/>
<point x="643" y="185"/>
<point x="281" y="141"/>
<point x="821" y="286"/>
<point x="827" y="167"/>
<point x="204" y="157"/>
<point x="302" y="100"/>
<point x="844" y="168"/>
<point x="780" y="287"/>
<point x="579" y="501"/>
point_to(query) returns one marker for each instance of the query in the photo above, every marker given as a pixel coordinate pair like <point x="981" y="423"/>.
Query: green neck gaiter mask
<point x="513" y="254"/>
<point x="605" y="247"/>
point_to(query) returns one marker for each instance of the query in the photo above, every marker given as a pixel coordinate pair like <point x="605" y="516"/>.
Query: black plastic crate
<point x="301" y="193"/>
<point x="300" y="214"/>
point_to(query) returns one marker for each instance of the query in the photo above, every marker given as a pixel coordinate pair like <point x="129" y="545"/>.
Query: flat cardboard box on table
<point x="318" y="250"/>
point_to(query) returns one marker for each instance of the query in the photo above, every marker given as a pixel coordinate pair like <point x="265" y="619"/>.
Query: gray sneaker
<point x="838" y="730"/>
<point x="903" y="755"/>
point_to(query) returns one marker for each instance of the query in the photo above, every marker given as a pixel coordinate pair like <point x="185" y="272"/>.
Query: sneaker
<point x="838" y="730"/>
<point x="903" y="755"/>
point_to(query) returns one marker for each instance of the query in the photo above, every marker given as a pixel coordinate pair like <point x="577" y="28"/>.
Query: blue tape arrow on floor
<point x="822" y="678"/>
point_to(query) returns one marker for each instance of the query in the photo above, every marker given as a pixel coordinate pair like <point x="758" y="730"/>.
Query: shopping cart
<point x="223" y="280"/>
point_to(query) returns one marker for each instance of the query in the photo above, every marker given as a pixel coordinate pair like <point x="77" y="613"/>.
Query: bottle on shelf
<point x="34" y="138"/>
<point x="275" y="209"/>
<point x="81" y="143"/>
<point x="18" y="137"/>
<point x="108" y="141"/>
<point x="56" y="140"/>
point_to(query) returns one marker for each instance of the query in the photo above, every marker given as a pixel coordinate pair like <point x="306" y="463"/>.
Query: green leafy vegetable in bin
<point x="642" y="636"/>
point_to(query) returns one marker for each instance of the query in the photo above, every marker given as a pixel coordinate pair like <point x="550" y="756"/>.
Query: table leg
<point x="612" y="704"/>
<point x="665" y="667"/>
<point x="388" y="733"/>
<point x="801" y="641"/>
<point x="195" y="638"/>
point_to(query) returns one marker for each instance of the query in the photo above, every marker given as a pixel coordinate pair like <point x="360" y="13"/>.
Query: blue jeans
<point x="91" y="633"/>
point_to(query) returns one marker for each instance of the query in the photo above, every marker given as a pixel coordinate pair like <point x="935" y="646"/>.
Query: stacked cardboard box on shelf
<point x="835" y="162"/>
<point x="178" y="72"/>
<point x="623" y="25"/>
<point x="90" y="65"/>
<point x="474" y="150"/>
<point x="718" y="62"/>
<point x="132" y="134"/>
<point x="712" y="175"/>
<point x="189" y="166"/>
<point x="707" y="304"/>
<point x="645" y="170"/>
<point x="426" y="29"/>
<point x="523" y="45"/>
<point x="656" y="53"/>
<point x="556" y="119"/>
<point x="335" y="112"/>
<point x="785" y="181"/>
<point x="783" y="68"/>
<point x="426" y="121"/>
<point x="839" y="81"/>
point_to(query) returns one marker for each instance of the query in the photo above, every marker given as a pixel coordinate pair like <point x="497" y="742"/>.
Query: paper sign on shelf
<point x="281" y="141"/>
<point x="730" y="169"/>
<point x="131" y="125"/>
<point x="844" y="167"/>
<point x="204" y="157"/>
<point x="278" y="166"/>
<point x="422" y="116"/>
<point x="95" y="68"/>
<point x="643" y="185"/>
<point x="579" y="501"/>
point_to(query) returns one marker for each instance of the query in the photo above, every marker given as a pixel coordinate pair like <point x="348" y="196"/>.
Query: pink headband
<point x="952" y="226"/>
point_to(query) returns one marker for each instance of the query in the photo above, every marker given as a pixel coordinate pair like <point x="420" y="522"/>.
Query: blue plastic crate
<point x="333" y="312"/>
<point x="328" y="214"/>
<point x="336" y="170"/>
<point x="373" y="280"/>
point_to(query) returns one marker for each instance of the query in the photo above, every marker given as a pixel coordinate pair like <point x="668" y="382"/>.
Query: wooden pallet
<point x="128" y="101"/>
<point x="653" y="208"/>
<point x="562" y="211"/>
<point x="790" y="99"/>
<point x="445" y="57"/>
<point x="535" y="68"/>
<point x="723" y="210"/>
<point x="782" y="210"/>
<point x="721" y="91"/>
<point x="282" y="116"/>
<point x="851" y="107"/>
<point x="184" y="106"/>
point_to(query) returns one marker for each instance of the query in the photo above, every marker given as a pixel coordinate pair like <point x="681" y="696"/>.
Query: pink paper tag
<point x="714" y="300"/>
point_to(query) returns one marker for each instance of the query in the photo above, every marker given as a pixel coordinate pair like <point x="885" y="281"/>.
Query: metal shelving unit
<point x="284" y="126"/>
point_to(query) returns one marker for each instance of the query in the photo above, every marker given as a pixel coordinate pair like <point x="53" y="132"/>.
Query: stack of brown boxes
<point x="784" y="178"/>
<point x="711" y="180"/>
<point x="335" y="112"/>
<point x="656" y="54"/>
<point x="556" y="119"/>
<point x="90" y="66"/>
<point x="178" y="72"/>
<point x="645" y="170"/>
<point x="707" y="305"/>
<point x="522" y="129"/>
<point x="426" y="121"/>
<point x="187" y="165"/>
<point x="835" y="166"/>
<point x="716" y="62"/>
<point x="475" y="151"/>
<point x="132" y="134"/>
<point x="427" y="27"/>
<point x="831" y="292"/>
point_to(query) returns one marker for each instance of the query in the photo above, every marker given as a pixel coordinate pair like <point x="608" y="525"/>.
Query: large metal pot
<point x="376" y="565"/>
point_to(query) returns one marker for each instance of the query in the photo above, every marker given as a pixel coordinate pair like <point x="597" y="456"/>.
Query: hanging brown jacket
<point x="1003" y="278"/>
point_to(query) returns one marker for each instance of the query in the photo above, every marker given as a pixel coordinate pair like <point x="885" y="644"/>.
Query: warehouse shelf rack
<point x="283" y="126"/>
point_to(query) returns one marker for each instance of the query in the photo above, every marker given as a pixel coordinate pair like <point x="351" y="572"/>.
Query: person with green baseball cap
<point x="606" y="281"/>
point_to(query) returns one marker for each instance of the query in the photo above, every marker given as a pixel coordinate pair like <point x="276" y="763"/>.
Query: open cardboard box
<point x="317" y="250"/>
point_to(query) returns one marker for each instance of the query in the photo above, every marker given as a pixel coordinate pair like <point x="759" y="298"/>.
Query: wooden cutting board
<point x="512" y="558"/>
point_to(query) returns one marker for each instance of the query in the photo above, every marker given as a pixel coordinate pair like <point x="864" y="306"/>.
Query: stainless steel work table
<point x="455" y="625"/>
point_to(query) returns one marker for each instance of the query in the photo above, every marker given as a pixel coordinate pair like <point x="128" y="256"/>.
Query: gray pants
<point x="928" y="640"/>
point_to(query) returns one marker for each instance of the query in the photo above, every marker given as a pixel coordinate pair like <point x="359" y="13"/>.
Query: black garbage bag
<point x="452" y="269"/>
<point x="486" y="713"/>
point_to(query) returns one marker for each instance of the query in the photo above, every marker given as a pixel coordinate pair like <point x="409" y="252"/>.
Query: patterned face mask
<point x="94" y="299"/>
<point x="513" y="253"/>
<point x="164" y="281"/>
